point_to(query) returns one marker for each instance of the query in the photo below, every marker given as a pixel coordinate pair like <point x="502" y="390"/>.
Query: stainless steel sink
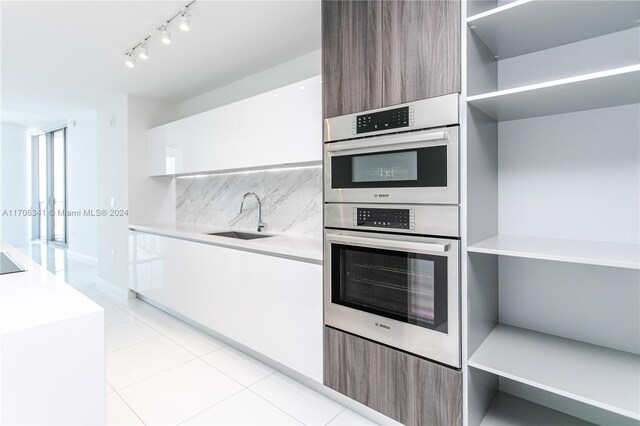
<point x="239" y="235"/>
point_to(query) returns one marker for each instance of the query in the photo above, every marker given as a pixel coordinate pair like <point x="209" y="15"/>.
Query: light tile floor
<point x="161" y="370"/>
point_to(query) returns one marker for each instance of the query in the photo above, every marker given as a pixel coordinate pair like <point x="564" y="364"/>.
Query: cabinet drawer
<point x="406" y="388"/>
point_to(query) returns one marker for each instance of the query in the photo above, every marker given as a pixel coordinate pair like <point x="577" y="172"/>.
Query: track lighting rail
<point x="140" y="50"/>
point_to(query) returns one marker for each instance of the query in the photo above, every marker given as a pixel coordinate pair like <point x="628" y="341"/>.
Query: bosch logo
<point x="380" y="195"/>
<point x="383" y="326"/>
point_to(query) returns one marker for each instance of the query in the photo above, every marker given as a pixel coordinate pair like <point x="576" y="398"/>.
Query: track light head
<point x="166" y="35"/>
<point x="131" y="59"/>
<point x="185" y="20"/>
<point x="143" y="51"/>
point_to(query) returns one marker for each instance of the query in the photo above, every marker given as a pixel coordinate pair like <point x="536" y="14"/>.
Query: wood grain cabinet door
<point x="420" y="49"/>
<point x="351" y="56"/>
<point x="415" y="391"/>
<point x="406" y="388"/>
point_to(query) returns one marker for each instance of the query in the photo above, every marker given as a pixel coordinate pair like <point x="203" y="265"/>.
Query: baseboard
<point x="81" y="256"/>
<point x="113" y="290"/>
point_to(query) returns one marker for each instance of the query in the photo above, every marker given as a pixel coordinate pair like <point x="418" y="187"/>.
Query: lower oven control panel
<point x="384" y="218"/>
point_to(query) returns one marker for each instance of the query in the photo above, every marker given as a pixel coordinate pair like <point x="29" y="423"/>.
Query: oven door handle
<point x="385" y="143"/>
<point x="388" y="244"/>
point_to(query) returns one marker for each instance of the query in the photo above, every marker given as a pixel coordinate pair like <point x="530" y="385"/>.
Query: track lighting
<point x="185" y="21"/>
<point x="143" y="51"/>
<point x="131" y="60"/>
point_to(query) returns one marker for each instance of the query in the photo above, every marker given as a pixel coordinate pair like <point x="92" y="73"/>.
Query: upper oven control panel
<point x="440" y="111"/>
<point x="383" y="120"/>
<point x="384" y="218"/>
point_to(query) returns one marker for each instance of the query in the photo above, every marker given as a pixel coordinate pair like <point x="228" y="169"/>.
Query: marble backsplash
<point x="291" y="200"/>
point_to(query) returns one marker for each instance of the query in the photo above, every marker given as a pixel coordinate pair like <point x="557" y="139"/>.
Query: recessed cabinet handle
<point x="407" y="141"/>
<point x="388" y="244"/>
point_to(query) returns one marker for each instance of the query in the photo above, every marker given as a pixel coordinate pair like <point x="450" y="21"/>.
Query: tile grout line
<point x="116" y="323"/>
<point x="107" y="352"/>
<point x="281" y="409"/>
<point x="160" y="372"/>
<point x="189" y="328"/>
<point x="211" y="406"/>
<point x="215" y="350"/>
<point x="286" y="412"/>
<point x="334" y="417"/>
<point x="130" y="407"/>
<point x="265" y="377"/>
<point x="187" y="349"/>
<point x="217" y="369"/>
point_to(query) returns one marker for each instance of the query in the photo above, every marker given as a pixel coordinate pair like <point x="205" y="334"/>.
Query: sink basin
<point x="238" y="235"/>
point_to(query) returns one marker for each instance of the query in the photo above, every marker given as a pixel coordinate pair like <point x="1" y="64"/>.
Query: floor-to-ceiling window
<point x="49" y="180"/>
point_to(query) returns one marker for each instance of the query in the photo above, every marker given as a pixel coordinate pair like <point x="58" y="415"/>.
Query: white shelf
<point x="527" y="26"/>
<point x="619" y="86"/>
<point x="595" y="375"/>
<point x="508" y="410"/>
<point x="617" y="255"/>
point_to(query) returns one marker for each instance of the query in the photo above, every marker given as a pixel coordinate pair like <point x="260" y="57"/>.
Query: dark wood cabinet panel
<point x="406" y="388"/>
<point x="420" y="49"/>
<point x="379" y="53"/>
<point x="351" y="378"/>
<point x="351" y="56"/>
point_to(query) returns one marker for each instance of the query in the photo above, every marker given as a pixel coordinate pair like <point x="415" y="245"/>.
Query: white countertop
<point x="306" y="249"/>
<point x="36" y="297"/>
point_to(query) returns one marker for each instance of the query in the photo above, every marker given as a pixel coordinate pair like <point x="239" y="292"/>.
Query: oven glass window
<point x="408" y="287"/>
<point x="420" y="167"/>
<point x="385" y="167"/>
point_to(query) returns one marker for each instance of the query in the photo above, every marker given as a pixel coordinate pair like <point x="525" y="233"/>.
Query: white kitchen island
<point x="52" y="359"/>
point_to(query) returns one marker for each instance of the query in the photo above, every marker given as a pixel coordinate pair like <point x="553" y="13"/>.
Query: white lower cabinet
<point x="290" y="314"/>
<point x="269" y="304"/>
<point x="233" y="302"/>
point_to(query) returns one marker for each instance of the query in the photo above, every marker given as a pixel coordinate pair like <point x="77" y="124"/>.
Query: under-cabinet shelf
<point x="526" y="26"/>
<point x="617" y="255"/>
<point x="605" y="378"/>
<point x="619" y="86"/>
<point x="509" y="410"/>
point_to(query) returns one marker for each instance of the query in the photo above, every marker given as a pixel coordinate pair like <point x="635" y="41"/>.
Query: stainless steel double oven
<point x="392" y="249"/>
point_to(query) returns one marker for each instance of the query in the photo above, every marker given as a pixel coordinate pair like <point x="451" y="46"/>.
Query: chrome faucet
<point x="261" y="224"/>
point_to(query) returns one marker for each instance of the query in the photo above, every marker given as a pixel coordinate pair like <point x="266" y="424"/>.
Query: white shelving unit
<point x="526" y="26"/>
<point x="620" y="86"/>
<point x="508" y="410"/>
<point x="617" y="255"/>
<point x="602" y="377"/>
<point x="541" y="112"/>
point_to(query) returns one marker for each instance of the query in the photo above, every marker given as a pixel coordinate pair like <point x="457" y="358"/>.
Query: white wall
<point x="14" y="183"/>
<point x="112" y="183"/>
<point x="122" y="175"/>
<point x="297" y="69"/>
<point x="574" y="176"/>
<point x="150" y="199"/>
<point x="82" y="185"/>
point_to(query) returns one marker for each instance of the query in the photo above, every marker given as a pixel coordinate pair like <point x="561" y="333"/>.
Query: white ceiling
<point x="66" y="58"/>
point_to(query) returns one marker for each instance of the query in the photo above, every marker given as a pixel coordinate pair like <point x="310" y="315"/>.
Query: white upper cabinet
<point x="283" y="126"/>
